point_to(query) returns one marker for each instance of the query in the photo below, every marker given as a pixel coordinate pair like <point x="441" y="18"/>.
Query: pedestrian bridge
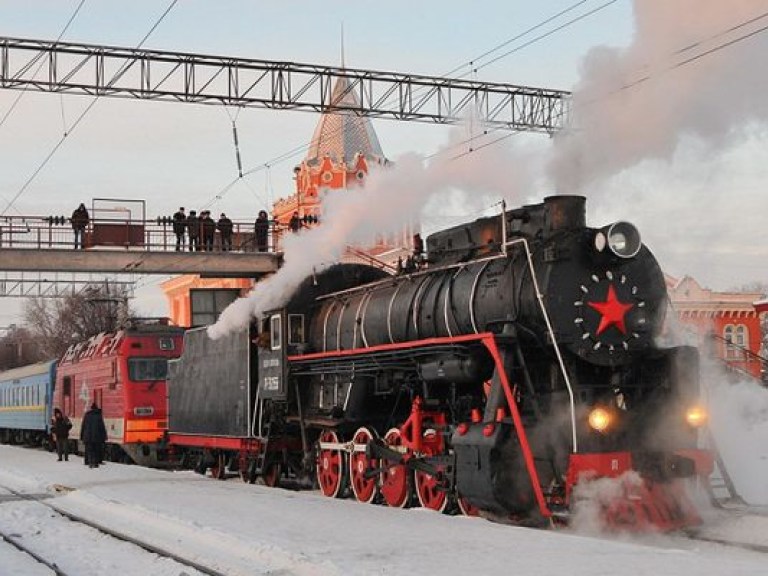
<point x="211" y="264"/>
<point x="46" y="244"/>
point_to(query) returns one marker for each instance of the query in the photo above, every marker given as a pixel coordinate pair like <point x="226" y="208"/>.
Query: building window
<point x="733" y="336"/>
<point x="206" y="304"/>
<point x="742" y="339"/>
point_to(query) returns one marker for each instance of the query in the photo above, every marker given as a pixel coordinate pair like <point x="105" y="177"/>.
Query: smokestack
<point x="564" y="213"/>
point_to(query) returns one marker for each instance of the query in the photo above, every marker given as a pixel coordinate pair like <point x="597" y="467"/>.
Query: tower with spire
<point x="343" y="148"/>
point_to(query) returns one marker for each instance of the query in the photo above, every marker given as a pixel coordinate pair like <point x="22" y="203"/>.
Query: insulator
<point x="237" y="150"/>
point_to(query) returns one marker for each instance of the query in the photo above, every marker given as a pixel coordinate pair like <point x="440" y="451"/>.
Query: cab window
<point x="144" y="369"/>
<point x="295" y="329"/>
<point x="276" y="332"/>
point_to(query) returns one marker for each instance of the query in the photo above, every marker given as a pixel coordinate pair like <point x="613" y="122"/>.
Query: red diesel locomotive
<point x="124" y="373"/>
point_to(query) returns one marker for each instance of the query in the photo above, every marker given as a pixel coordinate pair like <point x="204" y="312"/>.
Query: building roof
<point x="343" y="134"/>
<point x="687" y="294"/>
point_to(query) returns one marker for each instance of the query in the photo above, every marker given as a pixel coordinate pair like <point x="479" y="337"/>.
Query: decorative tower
<point x="343" y="148"/>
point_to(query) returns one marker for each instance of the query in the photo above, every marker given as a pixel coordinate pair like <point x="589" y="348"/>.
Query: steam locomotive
<point x="517" y="363"/>
<point x="512" y="368"/>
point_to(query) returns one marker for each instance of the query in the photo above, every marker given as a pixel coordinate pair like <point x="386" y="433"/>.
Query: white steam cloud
<point x="685" y="74"/>
<point x="654" y="127"/>
<point x="391" y="198"/>
<point x="739" y="426"/>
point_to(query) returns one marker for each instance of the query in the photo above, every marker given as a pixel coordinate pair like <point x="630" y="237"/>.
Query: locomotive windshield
<point x="144" y="369"/>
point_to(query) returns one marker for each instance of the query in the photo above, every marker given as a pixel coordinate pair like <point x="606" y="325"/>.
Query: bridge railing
<point x="55" y="232"/>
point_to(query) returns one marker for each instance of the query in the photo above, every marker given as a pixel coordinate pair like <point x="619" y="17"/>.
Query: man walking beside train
<point x="94" y="434"/>
<point x="60" y="427"/>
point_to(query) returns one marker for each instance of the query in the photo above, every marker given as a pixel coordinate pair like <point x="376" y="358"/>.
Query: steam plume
<point x="679" y="78"/>
<point x="391" y="198"/>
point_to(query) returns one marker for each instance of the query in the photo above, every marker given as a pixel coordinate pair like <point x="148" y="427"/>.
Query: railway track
<point x="14" y="540"/>
<point x="762" y="548"/>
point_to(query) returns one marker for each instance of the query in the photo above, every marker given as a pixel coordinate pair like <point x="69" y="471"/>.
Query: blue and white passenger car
<point x="26" y="395"/>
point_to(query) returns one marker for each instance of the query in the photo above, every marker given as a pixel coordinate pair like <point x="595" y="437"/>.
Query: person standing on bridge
<point x="225" y="229"/>
<point x="261" y="231"/>
<point x="179" y="227"/>
<point x="80" y="221"/>
<point x="295" y="223"/>
<point x="208" y="230"/>
<point x="193" y="229"/>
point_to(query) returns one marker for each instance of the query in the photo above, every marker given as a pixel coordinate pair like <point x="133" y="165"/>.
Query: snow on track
<point x="238" y="528"/>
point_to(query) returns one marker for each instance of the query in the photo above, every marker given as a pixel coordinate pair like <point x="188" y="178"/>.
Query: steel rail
<point x="113" y="534"/>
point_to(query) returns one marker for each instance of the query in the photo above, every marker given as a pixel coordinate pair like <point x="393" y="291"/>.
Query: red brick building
<point x="727" y="323"/>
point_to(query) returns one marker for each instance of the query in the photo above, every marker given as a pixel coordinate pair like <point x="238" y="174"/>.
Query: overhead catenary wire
<point x="266" y="166"/>
<point x="682" y="50"/>
<point x="42" y="63"/>
<point x="651" y="76"/>
<point x="682" y="63"/>
<point x="299" y="149"/>
<point x="472" y="63"/>
<point x="548" y="34"/>
<point x="79" y="119"/>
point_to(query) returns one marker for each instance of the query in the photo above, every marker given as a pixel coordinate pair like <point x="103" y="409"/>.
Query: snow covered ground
<point x="237" y="528"/>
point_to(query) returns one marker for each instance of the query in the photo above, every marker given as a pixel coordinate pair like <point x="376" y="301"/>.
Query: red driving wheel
<point x="396" y="485"/>
<point x="465" y="507"/>
<point x="363" y="487"/>
<point x="428" y="489"/>
<point x="330" y="465"/>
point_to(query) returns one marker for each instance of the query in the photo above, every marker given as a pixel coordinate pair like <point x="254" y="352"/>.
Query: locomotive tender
<point x="519" y="362"/>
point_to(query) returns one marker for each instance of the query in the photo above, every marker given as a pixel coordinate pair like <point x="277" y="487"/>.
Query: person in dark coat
<point x="225" y="229"/>
<point x="208" y="230"/>
<point x="60" y="426"/>
<point x="418" y="250"/>
<point x="261" y="231"/>
<point x="193" y="230"/>
<point x="179" y="227"/>
<point x="80" y="219"/>
<point x="295" y="223"/>
<point x="93" y="433"/>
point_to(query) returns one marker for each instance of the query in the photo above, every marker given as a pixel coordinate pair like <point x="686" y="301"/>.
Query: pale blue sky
<point x="174" y="154"/>
<point x="152" y="149"/>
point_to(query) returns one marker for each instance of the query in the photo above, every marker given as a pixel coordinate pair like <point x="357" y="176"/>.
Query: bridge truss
<point x="182" y="77"/>
<point x="32" y="285"/>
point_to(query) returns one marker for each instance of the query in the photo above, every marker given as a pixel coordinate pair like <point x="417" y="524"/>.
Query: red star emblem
<point x="613" y="311"/>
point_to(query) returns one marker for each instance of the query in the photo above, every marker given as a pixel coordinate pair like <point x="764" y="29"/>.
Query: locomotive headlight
<point x="696" y="416"/>
<point x="599" y="419"/>
<point x="622" y="238"/>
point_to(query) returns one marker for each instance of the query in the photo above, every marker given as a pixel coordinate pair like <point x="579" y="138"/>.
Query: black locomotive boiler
<point x="517" y="362"/>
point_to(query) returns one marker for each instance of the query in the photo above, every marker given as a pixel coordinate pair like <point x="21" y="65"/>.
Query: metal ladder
<point x="720" y="488"/>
